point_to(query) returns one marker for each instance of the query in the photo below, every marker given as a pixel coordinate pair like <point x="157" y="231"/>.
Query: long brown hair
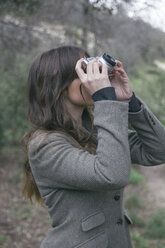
<point x="50" y="74"/>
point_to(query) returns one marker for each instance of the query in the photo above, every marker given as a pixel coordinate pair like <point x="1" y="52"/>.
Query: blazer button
<point x="119" y="221"/>
<point x="117" y="197"/>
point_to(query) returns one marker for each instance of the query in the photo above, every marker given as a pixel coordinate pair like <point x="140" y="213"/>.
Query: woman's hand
<point x="94" y="79"/>
<point x="121" y="83"/>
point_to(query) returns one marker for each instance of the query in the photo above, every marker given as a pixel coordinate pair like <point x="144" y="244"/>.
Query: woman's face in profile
<point x="75" y="96"/>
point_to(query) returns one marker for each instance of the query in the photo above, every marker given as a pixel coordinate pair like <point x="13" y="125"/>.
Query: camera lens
<point x="109" y="59"/>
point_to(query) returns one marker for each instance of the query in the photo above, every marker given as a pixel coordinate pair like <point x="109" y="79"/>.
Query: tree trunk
<point x="86" y="14"/>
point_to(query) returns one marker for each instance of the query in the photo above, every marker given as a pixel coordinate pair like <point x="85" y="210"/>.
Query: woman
<point x="80" y="149"/>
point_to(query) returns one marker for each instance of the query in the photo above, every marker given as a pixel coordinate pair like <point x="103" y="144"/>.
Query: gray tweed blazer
<point x="84" y="192"/>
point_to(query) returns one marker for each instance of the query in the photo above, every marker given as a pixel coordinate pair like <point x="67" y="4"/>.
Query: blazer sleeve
<point x="57" y="163"/>
<point x="147" y="140"/>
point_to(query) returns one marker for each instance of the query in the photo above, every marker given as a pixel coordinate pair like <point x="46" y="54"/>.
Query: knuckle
<point x="91" y="81"/>
<point x="90" y="78"/>
<point x="83" y="80"/>
<point x="91" y="61"/>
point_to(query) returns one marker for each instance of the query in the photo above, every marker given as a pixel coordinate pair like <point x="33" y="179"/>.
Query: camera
<point x="103" y="59"/>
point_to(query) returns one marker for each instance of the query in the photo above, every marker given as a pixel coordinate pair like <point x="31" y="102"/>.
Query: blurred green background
<point x="116" y="27"/>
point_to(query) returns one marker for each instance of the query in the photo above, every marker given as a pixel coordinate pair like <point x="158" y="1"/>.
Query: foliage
<point x="155" y="228"/>
<point x="2" y="139"/>
<point x="148" y="83"/>
<point x="16" y="177"/>
<point x="136" y="177"/>
<point x="20" y="7"/>
<point x="22" y="211"/>
<point x="133" y="201"/>
<point x="137" y="221"/>
<point x="160" y="244"/>
<point x="139" y="241"/>
<point x="13" y="99"/>
<point x="3" y="239"/>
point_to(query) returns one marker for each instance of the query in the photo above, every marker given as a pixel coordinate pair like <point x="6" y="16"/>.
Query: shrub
<point x="133" y="201"/>
<point x="138" y="222"/>
<point x="155" y="228"/>
<point x="139" y="241"/>
<point x="136" y="177"/>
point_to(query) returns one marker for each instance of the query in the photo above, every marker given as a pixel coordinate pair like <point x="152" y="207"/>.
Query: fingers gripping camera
<point x="103" y="59"/>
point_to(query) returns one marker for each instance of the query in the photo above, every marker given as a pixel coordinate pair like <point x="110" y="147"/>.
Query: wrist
<point x="129" y="98"/>
<point x="106" y="93"/>
<point x="134" y="104"/>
